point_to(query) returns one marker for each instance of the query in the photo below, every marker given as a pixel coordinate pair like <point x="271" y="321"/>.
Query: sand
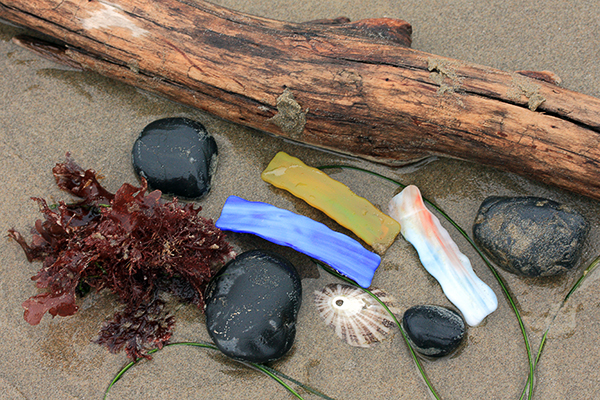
<point x="47" y="110"/>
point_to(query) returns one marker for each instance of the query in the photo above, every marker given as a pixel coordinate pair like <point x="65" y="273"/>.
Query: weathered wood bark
<point x="356" y="88"/>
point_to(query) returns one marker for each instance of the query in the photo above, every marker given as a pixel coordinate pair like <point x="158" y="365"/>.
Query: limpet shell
<point x="356" y="317"/>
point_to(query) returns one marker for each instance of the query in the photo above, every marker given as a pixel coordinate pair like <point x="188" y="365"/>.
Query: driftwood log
<point x="353" y="87"/>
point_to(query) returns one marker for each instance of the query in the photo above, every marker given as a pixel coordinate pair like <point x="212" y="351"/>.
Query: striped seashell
<point x="356" y="316"/>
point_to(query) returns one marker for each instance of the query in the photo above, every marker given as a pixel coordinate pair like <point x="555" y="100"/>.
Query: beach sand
<point x="47" y="110"/>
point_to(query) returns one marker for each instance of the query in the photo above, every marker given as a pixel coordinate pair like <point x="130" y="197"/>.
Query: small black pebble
<point x="433" y="331"/>
<point x="176" y="156"/>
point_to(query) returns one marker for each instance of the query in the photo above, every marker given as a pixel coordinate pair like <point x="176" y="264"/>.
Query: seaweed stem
<point x="270" y="372"/>
<point x="503" y="286"/>
<point x="412" y="351"/>
<point x="593" y="265"/>
<point x="303" y="386"/>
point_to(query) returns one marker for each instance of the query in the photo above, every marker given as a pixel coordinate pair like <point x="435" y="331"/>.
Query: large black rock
<point x="251" y="307"/>
<point x="433" y="331"/>
<point x="176" y="156"/>
<point x="530" y="236"/>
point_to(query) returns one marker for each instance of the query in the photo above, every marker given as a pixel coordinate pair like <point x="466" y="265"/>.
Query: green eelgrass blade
<point x="122" y="371"/>
<point x="266" y="370"/>
<point x="593" y="265"/>
<point x="412" y="352"/>
<point x="262" y="369"/>
<point x="295" y="382"/>
<point x="483" y="257"/>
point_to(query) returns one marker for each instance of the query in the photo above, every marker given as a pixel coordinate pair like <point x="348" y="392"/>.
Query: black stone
<point x="251" y="307"/>
<point x="176" y="156"/>
<point x="530" y="236"/>
<point x="433" y="331"/>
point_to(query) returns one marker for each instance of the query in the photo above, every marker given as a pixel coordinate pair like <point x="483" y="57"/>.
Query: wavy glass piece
<point x="340" y="252"/>
<point x="334" y="198"/>
<point x="441" y="257"/>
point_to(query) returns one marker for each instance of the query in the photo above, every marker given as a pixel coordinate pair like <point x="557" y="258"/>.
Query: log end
<point x="51" y="51"/>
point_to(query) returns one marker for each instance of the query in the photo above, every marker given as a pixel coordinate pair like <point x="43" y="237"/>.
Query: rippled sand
<point x="46" y="110"/>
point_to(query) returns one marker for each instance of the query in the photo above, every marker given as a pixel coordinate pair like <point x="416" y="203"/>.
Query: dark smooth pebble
<point x="176" y="156"/>
<point x="530" y="236"/>
<point x="252" y="305"/>
<point x="433" y="331"/>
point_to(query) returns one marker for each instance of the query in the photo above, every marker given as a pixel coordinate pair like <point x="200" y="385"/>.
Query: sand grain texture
<point x="47" y="109"/>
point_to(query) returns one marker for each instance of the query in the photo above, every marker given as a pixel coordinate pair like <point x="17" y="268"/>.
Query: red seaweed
<point x="138" y="330"/>
<point x="132" y="243"/>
